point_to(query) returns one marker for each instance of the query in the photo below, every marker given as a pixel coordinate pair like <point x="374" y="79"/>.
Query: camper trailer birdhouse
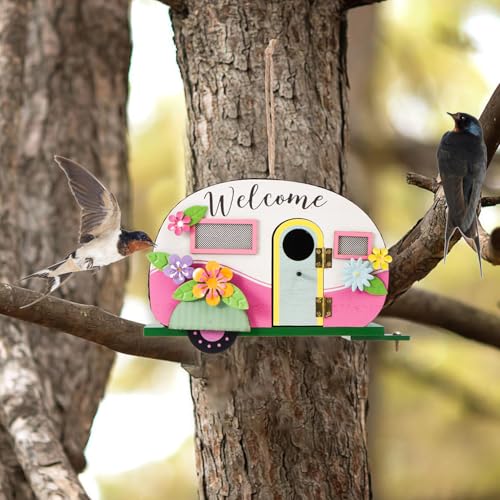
<point x="267" y="257"/>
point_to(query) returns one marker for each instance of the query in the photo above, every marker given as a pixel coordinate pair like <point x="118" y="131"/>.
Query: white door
<point x="297" y="282"/>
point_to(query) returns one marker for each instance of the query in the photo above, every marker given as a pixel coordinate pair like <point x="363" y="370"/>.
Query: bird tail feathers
<point x="472" y="233"/>
<point x="53" y="283"/>
<point x="478" y="251"/>
<point x="44" y="273"/>
<point x="448" y="233"/>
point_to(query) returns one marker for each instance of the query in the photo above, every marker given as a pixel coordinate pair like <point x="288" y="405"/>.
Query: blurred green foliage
<point x="141" y="374"/>
<point x="157" y="177"/>
<point x="168" y="479"/>
<point x="435" y="405"/>
<point x="425" y="60"/>
<point x="437" y="421"/>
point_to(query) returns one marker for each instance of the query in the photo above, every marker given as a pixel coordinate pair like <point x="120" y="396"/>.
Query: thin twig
<point x="490" y="245"/>
<point x="270" y="116"/>
<point x="422" y="181"/>
<point x="431" y="184"/>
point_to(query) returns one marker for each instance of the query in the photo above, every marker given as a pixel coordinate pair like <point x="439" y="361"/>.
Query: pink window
<point x="224" y="236"/>
<point x="352" y="244"/>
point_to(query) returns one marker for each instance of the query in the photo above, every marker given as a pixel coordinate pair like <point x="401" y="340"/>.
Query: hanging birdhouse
<point x="267" y="258"/>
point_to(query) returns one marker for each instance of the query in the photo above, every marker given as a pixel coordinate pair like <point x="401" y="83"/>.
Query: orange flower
<point x="213" y="283"/>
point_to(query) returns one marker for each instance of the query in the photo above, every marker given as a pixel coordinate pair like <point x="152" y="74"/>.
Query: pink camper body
<point x="288" y="255"/>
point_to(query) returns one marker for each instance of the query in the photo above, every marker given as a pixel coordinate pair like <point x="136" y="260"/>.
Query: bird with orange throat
<point x="102" y="240"/>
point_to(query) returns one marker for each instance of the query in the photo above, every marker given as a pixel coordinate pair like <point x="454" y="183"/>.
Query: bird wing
<point x="100" y="210"/>
<point x="476" y="172"/>
<point x="453" y="171"/>
<point x="462" y="166"/>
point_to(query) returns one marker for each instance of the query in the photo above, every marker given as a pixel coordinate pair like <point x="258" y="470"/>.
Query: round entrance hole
<point x="298" y="244"/>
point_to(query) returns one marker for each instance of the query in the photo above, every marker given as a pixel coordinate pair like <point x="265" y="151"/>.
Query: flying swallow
<point x="462" y="166"/>
<point x="102" y="240"/>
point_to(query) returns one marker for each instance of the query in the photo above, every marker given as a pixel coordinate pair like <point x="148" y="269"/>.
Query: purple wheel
<point x="212" y="341"/>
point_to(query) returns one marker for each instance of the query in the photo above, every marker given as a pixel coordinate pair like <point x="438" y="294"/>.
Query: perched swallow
<point x="462" y="166"/>
<point x="102" y="240"/>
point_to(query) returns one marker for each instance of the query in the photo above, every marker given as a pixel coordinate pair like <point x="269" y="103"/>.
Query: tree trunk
<point x="75" y="88"/>
<point x="275" y="418"/>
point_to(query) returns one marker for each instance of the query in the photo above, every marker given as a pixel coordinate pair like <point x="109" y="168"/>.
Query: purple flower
<point x="179" y="269"/>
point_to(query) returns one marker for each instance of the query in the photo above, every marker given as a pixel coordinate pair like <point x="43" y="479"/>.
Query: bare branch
<point x="422" y="181"/>
<point x="490" y="247"/>
<point x="94" y="324"/>
<point x="432" y="185"/>
<point x="428" y="308"/>
<point x="421" y="249"/>
<point x="490" y="201"/>
<point x="490" y="121"/>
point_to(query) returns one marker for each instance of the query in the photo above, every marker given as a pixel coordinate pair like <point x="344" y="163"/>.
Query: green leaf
<point x="196" y="213"/>
<point x="185" y="292"/>
<point x="158" y="259"/>
<point x="237" y="300"/>
<point x="376" y="287"/>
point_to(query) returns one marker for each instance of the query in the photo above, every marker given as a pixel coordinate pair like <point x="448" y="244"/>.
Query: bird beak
<point x="455" y="119"/>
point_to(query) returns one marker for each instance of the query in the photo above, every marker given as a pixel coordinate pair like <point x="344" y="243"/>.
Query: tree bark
<point x="75" y="87"/>
<point x="275" y="418"/>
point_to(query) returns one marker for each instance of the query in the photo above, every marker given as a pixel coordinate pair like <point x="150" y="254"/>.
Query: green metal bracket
<point x="373" y="331"/>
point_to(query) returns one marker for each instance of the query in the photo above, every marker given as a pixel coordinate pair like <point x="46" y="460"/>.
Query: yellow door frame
<point x="276" y="262"/>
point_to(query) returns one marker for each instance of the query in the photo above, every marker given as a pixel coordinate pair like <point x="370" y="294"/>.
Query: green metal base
<point x="373" y="331"/>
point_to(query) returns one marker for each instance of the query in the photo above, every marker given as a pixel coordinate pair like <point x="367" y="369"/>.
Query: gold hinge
<point x="323" y="257"/>
<point x="319" y="257"/>
<point x="319" y="307"/>
<point x="328" y="257"/>
<point x="327" y="308"/>
<point x="323" y="307"/>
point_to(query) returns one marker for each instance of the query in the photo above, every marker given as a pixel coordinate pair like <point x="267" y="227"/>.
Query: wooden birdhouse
<point x="267" y="258"/>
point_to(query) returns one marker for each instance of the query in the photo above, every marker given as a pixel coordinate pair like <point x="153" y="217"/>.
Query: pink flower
<point x="179" y="223"/>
